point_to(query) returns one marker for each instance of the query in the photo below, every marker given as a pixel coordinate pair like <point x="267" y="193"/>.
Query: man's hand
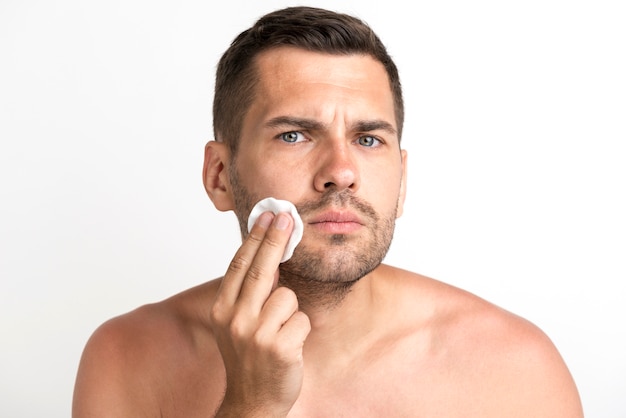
<point x="258" y="328"/>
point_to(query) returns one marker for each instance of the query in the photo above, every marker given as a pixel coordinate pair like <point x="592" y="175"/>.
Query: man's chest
<point x="400" y="387"/>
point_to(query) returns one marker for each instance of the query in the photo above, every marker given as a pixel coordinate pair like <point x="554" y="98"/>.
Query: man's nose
<point x="337" y="168"/>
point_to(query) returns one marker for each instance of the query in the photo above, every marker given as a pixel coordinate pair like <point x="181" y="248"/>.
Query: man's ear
<point x="402" y="195"/>
<point x="215" y="175"/>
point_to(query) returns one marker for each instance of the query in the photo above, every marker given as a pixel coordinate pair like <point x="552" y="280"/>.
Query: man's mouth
<point x="336" y="222"/>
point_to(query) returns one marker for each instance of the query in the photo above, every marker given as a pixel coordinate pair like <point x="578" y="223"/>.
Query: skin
<point x="398" y="344"/>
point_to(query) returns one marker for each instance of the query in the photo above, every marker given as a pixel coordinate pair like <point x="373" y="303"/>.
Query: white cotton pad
<point x="274" y="205"/>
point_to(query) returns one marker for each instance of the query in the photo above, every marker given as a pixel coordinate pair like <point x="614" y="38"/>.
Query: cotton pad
<point x="275" y="205"/>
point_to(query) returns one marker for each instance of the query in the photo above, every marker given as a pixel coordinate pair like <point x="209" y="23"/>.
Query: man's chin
<point x="335" y="265"/>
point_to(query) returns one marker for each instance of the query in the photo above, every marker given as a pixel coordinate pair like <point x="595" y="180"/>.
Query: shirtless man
<point x="308" y="108"/>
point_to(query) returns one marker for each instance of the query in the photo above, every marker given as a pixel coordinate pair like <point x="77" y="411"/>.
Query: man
<point x="308" y="108"/>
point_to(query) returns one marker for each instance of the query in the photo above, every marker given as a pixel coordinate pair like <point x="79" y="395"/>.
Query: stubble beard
<point x="322" y="279"/>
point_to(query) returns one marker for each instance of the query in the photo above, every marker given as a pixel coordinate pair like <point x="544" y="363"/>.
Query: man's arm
<point x="526" y="376"/>
<point x="545" y="388"/>
<point x="108" y="383"/>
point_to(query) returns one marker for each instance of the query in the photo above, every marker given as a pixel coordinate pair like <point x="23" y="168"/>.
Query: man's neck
<point x="342" y="315"/>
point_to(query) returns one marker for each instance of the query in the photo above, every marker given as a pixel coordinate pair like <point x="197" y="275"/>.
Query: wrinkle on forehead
<point x="322" y="86"/>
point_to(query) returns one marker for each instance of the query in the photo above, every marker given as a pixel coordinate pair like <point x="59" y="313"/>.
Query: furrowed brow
<point x="313" y="125"/>
<point x="374" y="125"/>
<point x="293" y="122"/>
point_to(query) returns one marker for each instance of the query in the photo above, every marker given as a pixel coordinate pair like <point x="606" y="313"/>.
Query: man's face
<point x="321" y="133"/>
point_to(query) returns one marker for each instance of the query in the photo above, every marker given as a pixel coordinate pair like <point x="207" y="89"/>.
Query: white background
<point x="516" y="123"/>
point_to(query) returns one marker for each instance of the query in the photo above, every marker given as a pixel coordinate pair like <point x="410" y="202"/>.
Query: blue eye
<point x="292" y="136"/>
<point x="368" y="141"/>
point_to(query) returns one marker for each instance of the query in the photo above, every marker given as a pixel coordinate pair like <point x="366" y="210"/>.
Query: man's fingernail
<point x="282" y="221"/>
<point x="265" y="219"/>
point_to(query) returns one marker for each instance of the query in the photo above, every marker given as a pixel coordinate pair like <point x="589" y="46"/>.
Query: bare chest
<point x="403" y="385"/>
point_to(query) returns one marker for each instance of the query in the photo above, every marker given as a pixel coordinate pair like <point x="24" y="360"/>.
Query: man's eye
<point x="292" y="137"/>
<point x="368" y="141"/>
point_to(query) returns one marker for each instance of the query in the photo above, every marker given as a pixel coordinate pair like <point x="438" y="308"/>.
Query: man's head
<point x="307" y="28"/>
<point x="320" y="129"/>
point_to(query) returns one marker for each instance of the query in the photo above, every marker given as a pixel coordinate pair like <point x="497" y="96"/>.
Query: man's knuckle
<point x="274" y="241"/>
<point x="217" y="313"/>
<point x="255" y="273"/>
<point x="268" y="344"/>
<point x="260" y="340"/>
<point x="255" y="237"/>
<point x="239" y="263"/>
<point x="237" y="327"/>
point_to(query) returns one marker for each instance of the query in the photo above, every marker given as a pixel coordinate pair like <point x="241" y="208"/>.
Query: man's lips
<point x="336" y="222"/>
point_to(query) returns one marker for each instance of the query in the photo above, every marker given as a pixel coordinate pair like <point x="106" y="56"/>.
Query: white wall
<point x="516" y="128"/>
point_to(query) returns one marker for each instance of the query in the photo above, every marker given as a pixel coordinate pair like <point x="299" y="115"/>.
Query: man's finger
<point x="259" y="280"/>
<point x="278" y="308"/>
<point x="240" y="264"/>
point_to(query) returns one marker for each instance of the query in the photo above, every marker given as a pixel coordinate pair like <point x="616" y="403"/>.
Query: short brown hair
<point x="308" y="28"/>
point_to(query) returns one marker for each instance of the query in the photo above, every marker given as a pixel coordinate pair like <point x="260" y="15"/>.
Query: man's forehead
<point x="288" y="62"/>
<point x="347" y="92"/>
<point x="295" y="77"/>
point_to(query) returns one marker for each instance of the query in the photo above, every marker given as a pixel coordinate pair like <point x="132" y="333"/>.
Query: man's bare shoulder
<point x="454" y="311"/>
<point x="173" y="319"/>
<point x="131" y="360"/>
<point x="508" y="362"/>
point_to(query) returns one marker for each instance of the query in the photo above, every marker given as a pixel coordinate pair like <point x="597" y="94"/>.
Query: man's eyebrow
<point x="313" y="125"/>
<point x="301" y="123"/>
<point x="374" y="125"/>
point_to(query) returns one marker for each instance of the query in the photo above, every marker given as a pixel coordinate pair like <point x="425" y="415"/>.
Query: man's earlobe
<point x="215" y="175"/>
